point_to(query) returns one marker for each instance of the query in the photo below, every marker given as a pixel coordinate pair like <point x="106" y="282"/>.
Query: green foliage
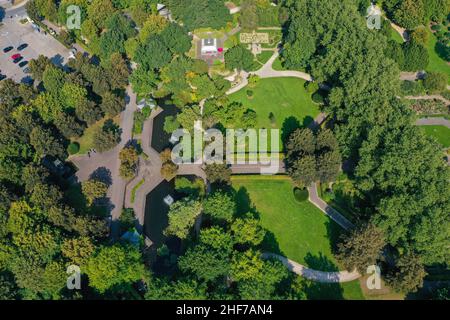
<point x="410" y="13"/>
<point x="247" y="231"/>
<point x="194" y="188"/>
<point x="160" y="289"/>
<point x="112" y="266"/>
<point x="313" y="157"/>
<point x="435" y="82"/>
<point x="106" y="137"/>
<point x="182" y="216"/>
<point x="128" y="162"/>
<point x="171" y="124"/>
<point x="408" y="274"/>
<point x="119" y="29"/>
<point x="361" y="248"/>
<point x="200" y="13"/>
<point x="416" y="57"/>
<point x="94" y="190"/>
<point x="218" y="173"/>
<point x="301" y="195"/>
<point x="220" y="206"/>
<point x="239" y="57"/>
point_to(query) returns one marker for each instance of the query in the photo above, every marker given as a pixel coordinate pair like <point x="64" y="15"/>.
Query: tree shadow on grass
<point x="322" y="291"/>
<point x="334" y="233"/>
<point x="290" y="124"/>
<point x="243" y="203"/>
<point x="245" y="206"/>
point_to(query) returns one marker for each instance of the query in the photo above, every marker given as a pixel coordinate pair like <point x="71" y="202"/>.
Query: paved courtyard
<point x="14" y="33"/>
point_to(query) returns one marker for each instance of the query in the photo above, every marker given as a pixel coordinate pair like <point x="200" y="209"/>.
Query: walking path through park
<point x="267" y="71"/>
<point x="105" y="166"/>
<point x="315" y="199"/>
<point x="401" y="31"/>
<point x="314" y="275"/>
<point x="433" y="122"/>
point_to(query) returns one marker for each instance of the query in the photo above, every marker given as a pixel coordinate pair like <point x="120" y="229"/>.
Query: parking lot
<point x="14" y="32"/>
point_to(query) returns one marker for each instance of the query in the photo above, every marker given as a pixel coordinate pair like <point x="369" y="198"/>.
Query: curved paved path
<point x="314" y="275"/>
<point x="267" y="71"/>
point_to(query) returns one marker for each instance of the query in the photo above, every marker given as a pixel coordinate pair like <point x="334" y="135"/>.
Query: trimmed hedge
<point x="73" y="148"/>
<point x="301" y="195"/>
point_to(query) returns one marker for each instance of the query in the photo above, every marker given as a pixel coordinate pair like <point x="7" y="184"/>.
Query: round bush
<point x="318" y="98"/>
<point x="301" y="195"/>
<point x="249" y="93"/>
<point x="73" y="148"/>
<point x="436" y="27"/>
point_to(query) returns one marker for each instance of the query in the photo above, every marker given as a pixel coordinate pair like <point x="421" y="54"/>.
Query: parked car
<point x="22" y="46"/>
<point x="8" y="49"/>
<point x="15" y="56"/>
<point x="2" y="77"/>
<point x="18" y="59"/>
<point x="27" y="70"/>
<point x="23" y="64"/>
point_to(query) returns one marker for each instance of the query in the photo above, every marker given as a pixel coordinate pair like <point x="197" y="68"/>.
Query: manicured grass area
<point x="284" y="97"/>
<point x="436" y="64"/>
<point x="440" y="133"/>
<point x="264" y="57"/>
<point x="333" y="291"/>
<point x="277" y="65"/>
<point x="396" y="36"/>
<point x="296" y="230"/>
<point x="299" y="231"/>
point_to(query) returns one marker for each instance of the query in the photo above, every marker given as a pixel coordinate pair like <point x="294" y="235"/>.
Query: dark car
<point x="23" y="64"/>
<point x="16" y="60"/>
<point x="8" y="49"/>
<point x="22" y="46"/>
<point x="2" y="76"/>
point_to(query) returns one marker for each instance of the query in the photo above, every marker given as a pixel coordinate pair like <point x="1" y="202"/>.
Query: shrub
<point x="318" y="98"/>
<point x="436" y="27"/>
<point x="435" y="82"/>
<point x="250" y="93"/>
<point x="416" y="57"/>
<point x="73" y="148"/>
<point x="420" y="36"/>
<point x="311" y="87"/>
<point x="411" y="88"/>
<point x="301" y="195"/>
<point x="253" y="80"/>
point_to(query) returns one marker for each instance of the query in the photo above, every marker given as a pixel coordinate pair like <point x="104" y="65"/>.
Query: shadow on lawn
<point x="245" y="206"/>
<point x="290" y="124"/>
<point x="322" y="291"/>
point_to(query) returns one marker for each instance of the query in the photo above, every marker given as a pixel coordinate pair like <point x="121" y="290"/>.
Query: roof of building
<point x="209" y="42"/>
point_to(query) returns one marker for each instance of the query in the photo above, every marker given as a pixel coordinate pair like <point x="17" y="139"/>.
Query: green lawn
<point x="284" y="97"/>
<point x="86" y="141"/>
<point x="440" y="133"/>
<point x="436" y="64"/>
<point x="277" y="65"/>
<point x="396" y="36"/>
<point x="298" y="231"/>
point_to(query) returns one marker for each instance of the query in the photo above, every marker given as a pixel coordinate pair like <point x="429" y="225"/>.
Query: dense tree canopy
<point x="398" y="170"/>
